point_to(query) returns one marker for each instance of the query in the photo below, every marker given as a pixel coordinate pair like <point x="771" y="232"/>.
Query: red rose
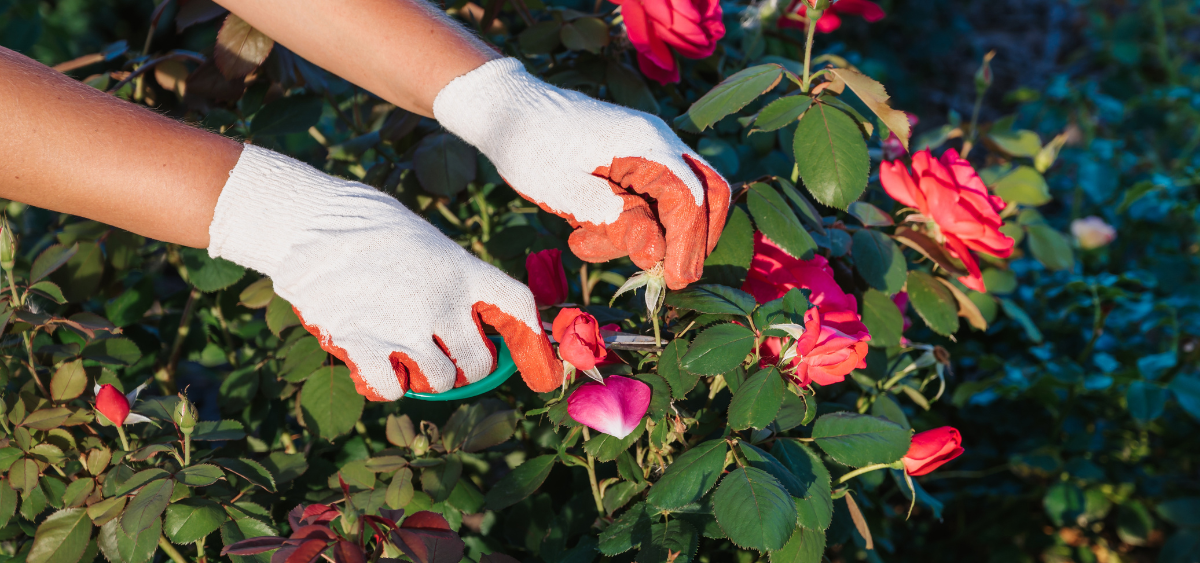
<point x="112" y="404"/>
<point x="931" y="449"/>
<point x="901" y="301"/>
<point x="547" y="280"/>
<point x="949" y="193"/>
<point x="824" y="354"/>
<point x="578" y="336"/>
<point x="691" y="27"/>
<point x="830" y="20"/>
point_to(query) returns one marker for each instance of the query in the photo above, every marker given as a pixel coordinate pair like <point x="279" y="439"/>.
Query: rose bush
<point x="801" y="402"/>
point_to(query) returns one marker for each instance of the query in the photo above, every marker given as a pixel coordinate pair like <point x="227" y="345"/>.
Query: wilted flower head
<point x="614" y="407"/>
<point x="1092" y="232"/>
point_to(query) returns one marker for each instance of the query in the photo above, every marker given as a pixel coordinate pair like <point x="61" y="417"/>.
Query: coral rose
<point x="824" y="354"/>
<point x="931" y="449"/>
<point x="614" y="407"/>
<point x="831" y="18"/>
<point x="656" y="27"/>
<point x="547" y="280"/>
<point x="949" y="193"/>
<point x="579" y="341"/>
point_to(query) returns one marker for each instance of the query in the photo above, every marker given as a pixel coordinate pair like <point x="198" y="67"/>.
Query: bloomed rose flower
<point x="931" y="449"/>
<point x="547" y="280"/>
<point x="578" y="336"/>
<point x="831" y="18"/>
<point x="1092" y="232"/>
<point x="660" y="28"/>
<point x="835" y="339"/>
<point x="949" y="193"/>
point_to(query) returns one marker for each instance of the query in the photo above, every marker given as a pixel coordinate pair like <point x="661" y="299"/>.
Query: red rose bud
<point x="112" y="404"/>
<point x="547" y="280"/>
<point x="579" y="341"/>
<point x="983" y="77"/>
<point x="931" y="449"/>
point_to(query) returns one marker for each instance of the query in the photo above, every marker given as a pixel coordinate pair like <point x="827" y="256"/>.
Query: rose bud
<point x="1092" y="232"/>
<point x="112" y="404"/>
<point x="614" y="407"/>
<point x="547" y="280"/>
<point x="579" y="341"/>
<point x="8" y="247"/>
<point x="930" y="449"/>
<point x="185" y="415"/>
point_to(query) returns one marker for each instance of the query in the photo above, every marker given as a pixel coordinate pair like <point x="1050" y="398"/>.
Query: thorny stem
<point x="591" y="469"/>
<point x="862" y="470"/>
<point x="124" y="440"/>
<point x="171" y="551"/>
<point x="813" y="16"/>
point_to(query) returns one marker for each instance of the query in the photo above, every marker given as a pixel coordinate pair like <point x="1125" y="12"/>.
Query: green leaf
<point x="1145" y="400"/>
<point x="51" y="259"/>
<point x="781" y="113"/>
<point x="859" y="440"/>
<point x="933" y="302"/>
<point x="879" y="260"/>
<point x="816" y="509"/>
<point x="145" y="508"/>
<point x="776" y="220"/>
<point x="718" y="349"/>
<point x="8" y="503"/>
<point x="80" y="278"/>
<point x="754" y="510"/>
<point x="660" y="395"/>
<point x="805" y="546"/>
<point x="730" y="260"/>
<point x="629" y="89"/>
<point x="466" y="497"/>
<point x="869" y="215"/>
<point x="49" y="289"/>
<point x="808" y="211"/>
<point x="199" y="475"/>
<point x="1024" y="185"/>
<point x="191" y="519"/>
<point x="730" y="96"/>
<point x="831" y="156"/>
<point x="46" y="419"/>
<point x="1187" y="392"/>
<point x="212" y="430"/>
<point x="400" y="490"/>
<point x="1183" y="511"/>
<point x="584" y="34"/>
<point x="519" y="483"/>
<point x="129" y="307"/>
<point x="293" y="114"/>
<point x="117" y="350"/>
<point x="494" y="430"/>
<point x="1050" y="247"/>
<point x="712" y="299"/>
<point x="882" y="318"/>
<point x="606" y="448"/>
<point x="258" y="294"/>
<point x="681" y="381"/>
<point x="62" y="538"/>
<point x="1064" y="503"/>
<point x="766" y="462"/>
<point x="439" y="481"/>
<point x="626" y="532"/>
<point x="78" y="491"/>
<point x="303" y="358"/>
<point x="444" y="164"/>
<point x="248" y="469"/>
<point x="690" y="476"/>
<point x="540" y="38"/>
<point x="1018" y="314"/>
<point x="280" y="315"/>
<point x="887" y="407"/>
<point x="757" y="400"/>
<point x="116" y="545"/>
<point x="669" y="537"/>
<point x="330" y="403"/>
<point x="139" y="479"/>
<point x="68" y="382"/>
<point x="1022" y="143"/>
<point x="210" y="274"/>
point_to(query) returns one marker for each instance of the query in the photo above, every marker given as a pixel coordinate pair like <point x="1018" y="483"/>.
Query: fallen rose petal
<point x="615" y="407"/>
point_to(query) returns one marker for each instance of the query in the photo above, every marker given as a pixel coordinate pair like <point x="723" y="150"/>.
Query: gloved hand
<point x="614" y="173"/>
<point x="382" y="289"/>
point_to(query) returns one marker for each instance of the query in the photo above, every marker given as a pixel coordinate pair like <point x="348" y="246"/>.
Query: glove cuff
<point x="266" y="200"/>
<point x="477" y="105"/>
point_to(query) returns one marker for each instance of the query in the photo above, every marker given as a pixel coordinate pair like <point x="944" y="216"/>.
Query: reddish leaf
<point x="313" y="531"/>
<point x="318" y="514"/>
<point x="342" y="482"/>
<point x="295" y="515"/>
<point x="308" y="552"/>
<point x="240" y="48"/>
<point x="282" y="555"/>
<point x="429" y="546"/>
<point x="253" y="546"/>
<point x="347" y="552"/>
<point x="195" y="11"/>
<point x="427" y="520"/>
<point x="393" y="515"/>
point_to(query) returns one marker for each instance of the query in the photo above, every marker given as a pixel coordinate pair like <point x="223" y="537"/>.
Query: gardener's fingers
<point x="635" y="233"/>
<point x="508" y="305"/>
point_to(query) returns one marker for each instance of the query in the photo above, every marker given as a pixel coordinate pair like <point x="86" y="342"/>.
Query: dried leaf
<point x="875" y="97"/>
<point x="240" y="48"/>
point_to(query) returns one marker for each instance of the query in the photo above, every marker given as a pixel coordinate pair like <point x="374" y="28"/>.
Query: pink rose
<point x="655" y="27"/>
<point x="830" y="20"/>
<point x="547" y="280"/>
<point x="824" y="354"/>
<point x="578" y="336"/>
<point x="1092" y="232"/>
<point x="614" y="407"/>
<point x="931" y="449"/>
<point x="948" y="192"/>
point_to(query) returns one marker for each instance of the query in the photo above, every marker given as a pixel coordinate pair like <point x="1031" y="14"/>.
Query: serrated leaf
<point x="831" y="156"/>
<point x="49" y="289"/>
<point x="730" y="260"/>
<point x="210" y="274"/>
<point x="671" y="537"/>
<point x="114" y="351"/>
<point x="712" y="299"/>
<point x="718" y="349"/>
<point x="882" y="318"/>
<point x="1050" y="247"/>
<point x="929" y="248"/>
<point x="240" y="48"/>
<point x="879" y="260"/>
<point x="754" y="510"/>
<point x="248" y="469"/>
<point x="285" y="116"/>
<point x="680" y="380"/>
<point x="280" y="315"/>
<point x="875" y="97"/>
<point x="805" y="546"/>
<point x="199" y="475"/>
<point x="146" y="507"/>
<point x="62" y="538"/>
<point x="51" y="259"/>
<point x="808" y="211"/>
<point x="258" y="294"/>
<point x="1023" y="185"/>
<point x="191" y="519"/>
<point x="444" y="164"/>
<point x="730" y="96"/>
<point x="520" y="483"/>
<point x="605" y="447"/>
<point x="776" y="220"/>
<point x="966" y="308"/>
<point x="494" y="430"/>
<point x="859" y="440"/>
<point x="68" y="382"/>
<point x="116" y="545"/>
<point x="626" y="532"/>
<point x="757" y="400"/>
<point x="439" y="481"/>
<point x="816" y="509"/>
<point x="690" y="476"/>
<point x="933" y="302"/>
<point x="781" y="113"/>
<point x="330" y="403"/>
<point x="211" y="430"/>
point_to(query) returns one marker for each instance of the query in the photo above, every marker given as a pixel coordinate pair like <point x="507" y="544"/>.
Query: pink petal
<point x="614" y="408"/>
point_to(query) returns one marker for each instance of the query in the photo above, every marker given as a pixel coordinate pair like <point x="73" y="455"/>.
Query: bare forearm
<point x="70" y="148"/>
<point x="403" y="51"/>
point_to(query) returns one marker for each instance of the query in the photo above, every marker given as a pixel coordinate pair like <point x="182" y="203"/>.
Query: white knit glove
<point x="382" y="289"/>
<point x="619" y="176"/>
